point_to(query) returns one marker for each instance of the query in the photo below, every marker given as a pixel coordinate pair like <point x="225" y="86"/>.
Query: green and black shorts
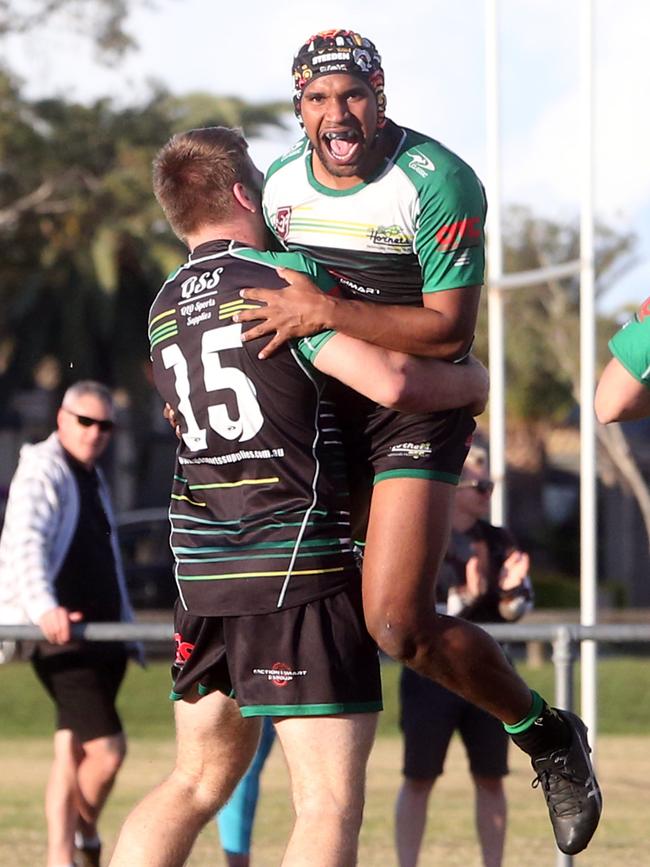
<point x="315" y="659"/>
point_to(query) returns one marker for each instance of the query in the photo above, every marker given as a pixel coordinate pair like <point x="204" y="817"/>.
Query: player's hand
<point x="514" y="570"/>
<point x="478" y="385"/>
<point x="55" y="624"/>
<point x="170" y="415"/>
<point x="295" y="311"/>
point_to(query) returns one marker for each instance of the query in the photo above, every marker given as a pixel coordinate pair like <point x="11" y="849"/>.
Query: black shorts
<point x="315" y="659"/>
<point x="83" y="684"/>
<point x="387" y="443"/>
<point x="429" y="716"/>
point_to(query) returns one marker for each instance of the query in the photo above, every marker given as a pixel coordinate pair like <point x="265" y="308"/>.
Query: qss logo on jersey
<point x="199" y="283"/>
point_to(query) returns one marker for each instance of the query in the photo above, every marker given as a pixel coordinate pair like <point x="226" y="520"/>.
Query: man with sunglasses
<point x="60" y="564"/>
<point x="484" y="579"/>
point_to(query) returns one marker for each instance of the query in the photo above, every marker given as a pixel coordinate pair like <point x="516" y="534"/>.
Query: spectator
<point x="60" y="564"/>
<point x="484" y="578"/>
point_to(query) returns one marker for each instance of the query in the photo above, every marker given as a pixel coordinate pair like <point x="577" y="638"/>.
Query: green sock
<point x="533" y="714"/>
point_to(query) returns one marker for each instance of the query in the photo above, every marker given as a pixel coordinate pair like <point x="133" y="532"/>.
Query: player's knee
<point x="203" y="789"/>
<point x="399" y="640"/>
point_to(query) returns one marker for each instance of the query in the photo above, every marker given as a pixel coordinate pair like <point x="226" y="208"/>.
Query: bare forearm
<point x="404" y="382"/>
<point x="416" y="330"/>
<point x="432" y="385"/>
<point x="619" y="396"/>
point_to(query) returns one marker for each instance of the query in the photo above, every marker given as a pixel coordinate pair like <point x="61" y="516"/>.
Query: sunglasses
<point x="104" y="424"/>
<point x="483" y="486"/>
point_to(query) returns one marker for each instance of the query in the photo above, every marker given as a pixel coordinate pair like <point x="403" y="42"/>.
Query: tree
<point x="102" y="20"/>
<point x="77" y="221"/>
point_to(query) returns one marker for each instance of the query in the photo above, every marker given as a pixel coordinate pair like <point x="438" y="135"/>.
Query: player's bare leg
<point x="407" y="536"/>
<point x="408" y="532"/>
<point x="214" y="746"/>
<point x="327" y="758"/>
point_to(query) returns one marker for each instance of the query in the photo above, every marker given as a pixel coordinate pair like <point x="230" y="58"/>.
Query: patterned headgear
<point x="342" y="51"/>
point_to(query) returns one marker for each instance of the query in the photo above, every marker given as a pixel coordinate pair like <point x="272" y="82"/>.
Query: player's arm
<point x="619" y="396"/>
<point x="442" y="328"/>
<point x="33" y="508"/>
<point x="403" y="382"/>
<point x="623" y="392"/>
<point x="450" y="249"/>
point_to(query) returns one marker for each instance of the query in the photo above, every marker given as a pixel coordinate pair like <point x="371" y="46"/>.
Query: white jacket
<point x="40" y="521"/>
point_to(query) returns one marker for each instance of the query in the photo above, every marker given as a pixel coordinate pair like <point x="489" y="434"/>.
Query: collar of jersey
<point x="211" y="248"/>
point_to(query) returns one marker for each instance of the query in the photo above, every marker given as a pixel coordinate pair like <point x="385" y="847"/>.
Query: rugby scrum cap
<point x="339" y="51"/>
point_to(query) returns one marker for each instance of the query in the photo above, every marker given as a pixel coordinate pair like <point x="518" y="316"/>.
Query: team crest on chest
<point x="283" y="221"/>
<point x="393" y="237"/>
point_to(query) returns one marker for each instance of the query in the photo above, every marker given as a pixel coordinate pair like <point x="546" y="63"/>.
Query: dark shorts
<point x="312" y="660"/>
<point x="395" y="444"/>
<point x="83" y="684"/>
<point x="429" y="716"/>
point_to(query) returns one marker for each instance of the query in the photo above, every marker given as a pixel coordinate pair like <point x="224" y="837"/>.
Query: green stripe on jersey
<point x="309" y="543"/>
<point x="320" y="554"/>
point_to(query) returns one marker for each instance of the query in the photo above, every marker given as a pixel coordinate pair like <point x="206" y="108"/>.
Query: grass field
<point x="623" y="760"/>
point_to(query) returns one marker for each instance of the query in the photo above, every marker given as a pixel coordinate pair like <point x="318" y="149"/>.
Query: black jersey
<point x="259" y="512"/>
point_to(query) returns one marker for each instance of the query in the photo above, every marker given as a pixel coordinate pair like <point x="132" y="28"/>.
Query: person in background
<point x="623" y="392"/>
<point x="235" y="820"/>
<point x="484" y="578"/>
<point x="60" y="564"/>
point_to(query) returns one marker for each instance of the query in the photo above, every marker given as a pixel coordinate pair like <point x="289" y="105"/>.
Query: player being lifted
<point x="398" y="219"/>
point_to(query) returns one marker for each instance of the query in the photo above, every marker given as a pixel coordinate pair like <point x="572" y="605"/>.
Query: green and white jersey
<point x="416" y="226"/>
<point x="631" y="345"/>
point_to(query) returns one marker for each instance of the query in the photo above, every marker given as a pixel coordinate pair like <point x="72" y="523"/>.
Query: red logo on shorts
<point x="183" y="649"/>
<point x="283" y="676"/>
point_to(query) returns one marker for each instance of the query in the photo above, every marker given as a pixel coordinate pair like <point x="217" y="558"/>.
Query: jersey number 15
<point x="215" y="378"/>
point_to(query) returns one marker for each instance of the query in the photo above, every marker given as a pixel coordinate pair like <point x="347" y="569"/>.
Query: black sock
<point x="546" y="734"/>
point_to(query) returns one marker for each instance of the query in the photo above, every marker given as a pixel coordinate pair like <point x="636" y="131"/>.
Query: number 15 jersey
<point x="259" y="509"/>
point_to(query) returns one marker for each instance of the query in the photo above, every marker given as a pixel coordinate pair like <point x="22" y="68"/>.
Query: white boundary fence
<point x="563" y="637"/>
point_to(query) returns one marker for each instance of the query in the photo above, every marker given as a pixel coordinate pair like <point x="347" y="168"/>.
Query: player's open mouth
<point x="342" y="145"/>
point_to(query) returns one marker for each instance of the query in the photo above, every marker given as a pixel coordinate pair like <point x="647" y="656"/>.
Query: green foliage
<point x="83" y="244"/>
<point x="100" y="20"/>
<point x="555" y="589"/>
